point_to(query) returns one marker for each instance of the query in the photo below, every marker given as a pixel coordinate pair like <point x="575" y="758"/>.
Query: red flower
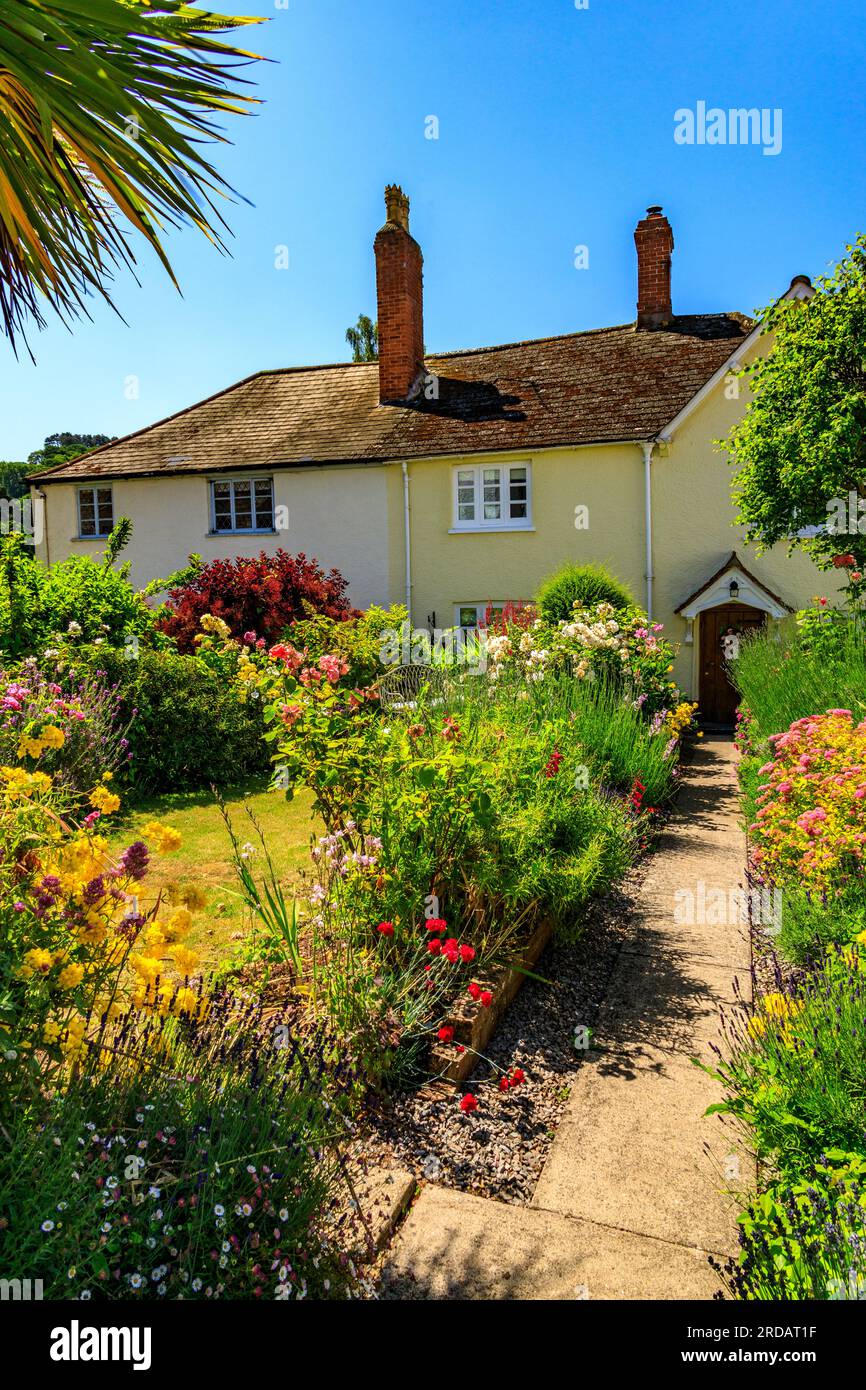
<point x="467" y="953"/>
<point x="458" y="1047"/>
<point x="504" y="1083"/>
<point x="436" y="924"/>
<point x="434" y="946"/>
<point x="553" y="765"/>
<point x="485" y="998"/>
<point x="386" y="928"/>
<point x="445" y="1034"/>
<point x="468" y="1104"/>
<point x="451" y="951"/>
<point x="844" y="561"/>
<point x="475" y="991"/>
<point x="517" y="1076"/>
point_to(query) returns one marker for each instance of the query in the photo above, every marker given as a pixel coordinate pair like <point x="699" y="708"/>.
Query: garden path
<point x="639" y="1186"/>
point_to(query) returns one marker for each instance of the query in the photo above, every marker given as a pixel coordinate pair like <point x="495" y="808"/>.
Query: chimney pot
<point x="399" y="293"/>
<point x="654" y="241"/>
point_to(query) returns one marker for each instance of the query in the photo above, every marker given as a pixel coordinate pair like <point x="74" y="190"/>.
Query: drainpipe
<point x="408" y="541"/>
<point x="42" y="501"/>
<point x="648" y="445"/>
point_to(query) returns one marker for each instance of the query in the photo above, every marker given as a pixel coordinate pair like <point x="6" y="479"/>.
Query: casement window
<point x="496" y="498"/>
<point x="242" y="504"/>
<point x="95" y="512"/>
<point x="472" y="615"/>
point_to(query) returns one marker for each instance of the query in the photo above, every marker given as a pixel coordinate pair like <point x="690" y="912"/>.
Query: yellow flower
<point x="30" y="746"/>
<point x="185" y="959"/>
<point x="36" y="961"/>
<point x="156" y="941"/>
<point x="177" y="925"/>
<point x="148" y="967"/>
<point x="194" y="897"/>
<point x="185" y="1001"/>
<point x="51" y="1032"/>
<point x="70" y="976"/>
<point x="165" y="837"/>
<point x="105" y="801"/>
<point x="52" y="737"/>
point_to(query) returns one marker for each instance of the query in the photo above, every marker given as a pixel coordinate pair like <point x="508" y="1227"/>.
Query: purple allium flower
<point x="135" y="859"/>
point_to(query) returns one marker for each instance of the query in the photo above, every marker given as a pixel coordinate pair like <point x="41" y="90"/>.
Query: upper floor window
<point x="494" y="498"/>
<point x="242" y="504"/>
<point x="95" y="512"/>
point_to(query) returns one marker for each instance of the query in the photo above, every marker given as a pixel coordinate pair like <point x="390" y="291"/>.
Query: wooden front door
<point x="717" y="697"/>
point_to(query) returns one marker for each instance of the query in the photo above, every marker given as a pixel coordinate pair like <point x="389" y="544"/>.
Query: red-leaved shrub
<point x="262" y="594"/>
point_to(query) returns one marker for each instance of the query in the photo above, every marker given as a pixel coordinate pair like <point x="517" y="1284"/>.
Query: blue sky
<point x="556" y="129"/>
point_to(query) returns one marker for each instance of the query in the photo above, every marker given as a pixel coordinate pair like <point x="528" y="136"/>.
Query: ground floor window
<point x="242" y="504"/>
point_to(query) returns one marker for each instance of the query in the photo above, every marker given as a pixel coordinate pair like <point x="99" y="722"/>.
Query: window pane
<point x="468" y="615"/>
<point x="264" y="504"/>
<point x="490" y="486"/>
<point x="222" y="506"/>
<point x="465" y="494"/>
<point x="86" y="514"/>
<point x="243" y="506"/>
<point x="518" y="490"/>
<point x="105" y="511"/>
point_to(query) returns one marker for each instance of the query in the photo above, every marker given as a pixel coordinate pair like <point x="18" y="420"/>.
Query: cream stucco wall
<point x="348" y="517"/>
<point x="694" y="527"/>
<point x="477" y="567"/>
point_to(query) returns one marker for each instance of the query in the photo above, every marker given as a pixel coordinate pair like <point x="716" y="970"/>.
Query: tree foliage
<point x="800" y="449"/>
<point x="364" y="340"/>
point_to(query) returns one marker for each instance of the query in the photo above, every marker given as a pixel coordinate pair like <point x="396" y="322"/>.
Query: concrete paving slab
<point x="456" y="1246"/>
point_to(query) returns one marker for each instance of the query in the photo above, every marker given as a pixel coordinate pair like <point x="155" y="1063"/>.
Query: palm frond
<point x="104" y="105"/>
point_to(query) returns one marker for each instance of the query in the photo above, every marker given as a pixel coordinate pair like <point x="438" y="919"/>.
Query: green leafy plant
<point x="584" y="585"/>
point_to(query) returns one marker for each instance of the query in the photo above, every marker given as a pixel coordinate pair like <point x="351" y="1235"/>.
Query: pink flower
<point x="333" y="666"/>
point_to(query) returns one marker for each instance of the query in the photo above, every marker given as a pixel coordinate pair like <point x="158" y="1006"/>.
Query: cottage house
<point x="456" y="480"/>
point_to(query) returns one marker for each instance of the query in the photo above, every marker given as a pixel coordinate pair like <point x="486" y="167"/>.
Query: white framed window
<point x="95" y="512"/>
<point x="492" y="497"/>
<point x="469" y="616"/>
<point x="241" y="504"/>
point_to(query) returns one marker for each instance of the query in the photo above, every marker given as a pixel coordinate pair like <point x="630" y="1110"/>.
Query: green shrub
<point x="806" y="666"/>
<point x="586" y="585"/>
<point x="806" y="1240"/>
<point x="188" y="727"/>
<point x="795" y="1077"/>
<point x="40" y="606"/>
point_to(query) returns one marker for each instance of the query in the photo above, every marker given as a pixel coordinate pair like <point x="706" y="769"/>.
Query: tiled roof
<point x="605" y="385"/>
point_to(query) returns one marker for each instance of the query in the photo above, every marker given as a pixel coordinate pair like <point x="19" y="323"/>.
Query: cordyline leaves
<point x="103" y="105"/>
<point x="802" y="441"/>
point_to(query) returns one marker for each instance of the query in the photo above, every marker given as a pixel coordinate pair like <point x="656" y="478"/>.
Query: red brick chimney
<point x="401" y="300"/>
<point x="655" y="242"/>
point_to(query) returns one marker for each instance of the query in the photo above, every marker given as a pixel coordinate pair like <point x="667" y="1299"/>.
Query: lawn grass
<point x="204" y="857"/>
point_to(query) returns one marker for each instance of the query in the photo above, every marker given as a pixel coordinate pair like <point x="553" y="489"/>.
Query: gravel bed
<point x="500" y="1149"/>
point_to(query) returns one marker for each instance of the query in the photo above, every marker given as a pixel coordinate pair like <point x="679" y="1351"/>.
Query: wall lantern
<point x="734" y="590"/>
